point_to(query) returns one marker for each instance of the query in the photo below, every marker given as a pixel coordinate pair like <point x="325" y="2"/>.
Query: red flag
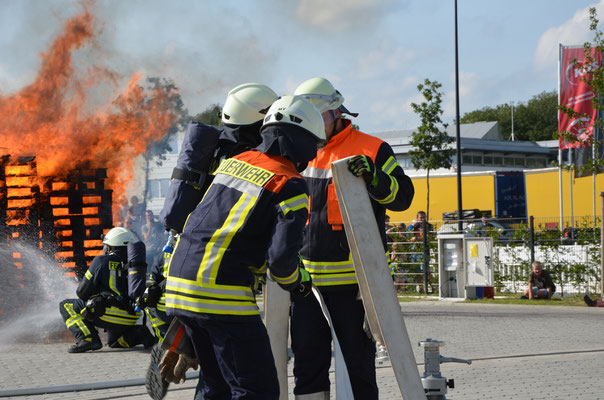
<point x="576" y="94"/>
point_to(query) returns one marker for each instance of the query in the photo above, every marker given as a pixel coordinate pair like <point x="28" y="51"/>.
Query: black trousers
<point x="234" y="356"/>
<point x="121" y="333"/>
<point x="311" y="343"/>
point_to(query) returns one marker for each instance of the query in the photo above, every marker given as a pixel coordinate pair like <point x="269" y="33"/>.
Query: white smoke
<point x="31" y="313"/>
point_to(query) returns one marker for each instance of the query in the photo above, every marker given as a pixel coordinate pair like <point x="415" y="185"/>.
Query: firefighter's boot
<point x="87" y="344"/>
<point x="146" y="337"/>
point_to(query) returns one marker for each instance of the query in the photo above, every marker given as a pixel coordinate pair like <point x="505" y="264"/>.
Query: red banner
<point x="576" y="94"/>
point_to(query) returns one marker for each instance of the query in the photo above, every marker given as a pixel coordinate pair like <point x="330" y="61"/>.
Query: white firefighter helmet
<point x="247" y="104"/>
<point x="321" y="93"/>
<point x="118" y="236"/>
<point x="295" y="110"/>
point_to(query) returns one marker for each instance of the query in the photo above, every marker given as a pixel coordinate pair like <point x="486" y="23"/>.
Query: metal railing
<point x="572" y="254"/>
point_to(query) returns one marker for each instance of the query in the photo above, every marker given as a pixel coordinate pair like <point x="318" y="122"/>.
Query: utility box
<point x="465" y="265"/>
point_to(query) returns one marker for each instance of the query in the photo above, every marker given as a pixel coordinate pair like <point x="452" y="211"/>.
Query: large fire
<point x="52" y="118"/>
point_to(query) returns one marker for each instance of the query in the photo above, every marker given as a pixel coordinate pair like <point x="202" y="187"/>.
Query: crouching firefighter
<point x="251" y="217"/>
<point x="103" y="301"/>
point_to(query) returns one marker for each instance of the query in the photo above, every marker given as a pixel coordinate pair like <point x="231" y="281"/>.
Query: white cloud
<point x="475" y="92"/>
<point x="337" y="16"/>
<point x="388" y="58"/>
<point x="575" y="31"/>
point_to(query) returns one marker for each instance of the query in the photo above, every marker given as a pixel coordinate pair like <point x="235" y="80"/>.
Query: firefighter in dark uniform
<point x="242" y="116"/>
<point x="103" y="301"/>
<point x="326" y="255"/>
<point x="154" y="298"/>
<point x="251" y="220"/>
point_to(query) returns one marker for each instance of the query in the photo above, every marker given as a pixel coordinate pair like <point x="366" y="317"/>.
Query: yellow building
<point x="480" y="191"/>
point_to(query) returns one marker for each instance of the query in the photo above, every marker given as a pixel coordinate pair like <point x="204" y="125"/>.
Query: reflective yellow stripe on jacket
<point x="119" y="316"/>
<point x="326" y="273"/>
<point x="188" y="295"/>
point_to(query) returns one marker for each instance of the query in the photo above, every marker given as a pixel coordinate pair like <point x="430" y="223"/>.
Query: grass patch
<point x="504" y="298"/>
<point x="571" y="301"/>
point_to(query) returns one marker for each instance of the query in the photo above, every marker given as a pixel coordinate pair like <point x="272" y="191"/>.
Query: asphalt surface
<point x="517" y="351"/>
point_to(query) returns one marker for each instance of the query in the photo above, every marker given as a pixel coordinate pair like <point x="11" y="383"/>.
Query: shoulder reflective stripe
<point x="312" y="172"/>
<point x="242" y="170"/>
<point x="221" y="239"/>
<point x="88" y="275"/>
<point x="393" y="191"/>
<point x="389" y="165"/>
<point x="288" y="279"/>
<point x="238" y="184"/>
<point x="132" y="272"/>
<point x="210" y="306"/>
<point x="231" y="292"/>
<point x="294" y="204"/>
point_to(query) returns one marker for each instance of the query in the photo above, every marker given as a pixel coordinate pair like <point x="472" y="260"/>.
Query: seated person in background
<point x="417" y="227"/>
<point x="484" y="227"/>
<point x="540" y="284"/>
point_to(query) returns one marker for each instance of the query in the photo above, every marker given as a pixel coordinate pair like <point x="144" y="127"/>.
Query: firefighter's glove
<point x="363" y="166"/>
<point x="153" y="294"/>
<point x="305" y="286"/>
<point x="173" y="366"/>
<point x="95" y="308"/>
<point x="259" y="280"/>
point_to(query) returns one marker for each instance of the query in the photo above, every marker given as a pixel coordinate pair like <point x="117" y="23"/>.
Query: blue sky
<point x="374" y="51"/>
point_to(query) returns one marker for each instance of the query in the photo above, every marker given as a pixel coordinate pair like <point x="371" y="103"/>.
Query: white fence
<point x="576" y="266"/>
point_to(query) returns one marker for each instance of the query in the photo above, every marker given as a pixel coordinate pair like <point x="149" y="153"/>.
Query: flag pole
<point x="559" y="149"/>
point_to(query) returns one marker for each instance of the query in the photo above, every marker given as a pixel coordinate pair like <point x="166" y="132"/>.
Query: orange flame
<point x="51" y="117"/>
<point x="91" y="199"/>
<point x="59" y="201"/>
<point x="19" y="192"/>
<point x="90" y="210"/>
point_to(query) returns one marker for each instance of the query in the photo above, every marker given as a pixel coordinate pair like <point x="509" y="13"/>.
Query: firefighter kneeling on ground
<point x="103" y="301"/>
<point x="251" y="218"/>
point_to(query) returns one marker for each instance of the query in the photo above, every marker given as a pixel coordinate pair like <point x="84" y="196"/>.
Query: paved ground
<point x="518" y="352"/>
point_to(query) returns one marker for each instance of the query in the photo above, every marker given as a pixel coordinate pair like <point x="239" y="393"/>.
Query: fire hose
<point x="80" y="387"/>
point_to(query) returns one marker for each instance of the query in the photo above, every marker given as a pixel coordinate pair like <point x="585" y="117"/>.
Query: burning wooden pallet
<point x="65" y="219"/>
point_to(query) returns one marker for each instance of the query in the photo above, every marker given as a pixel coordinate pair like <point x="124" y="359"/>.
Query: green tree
<point x="534" y="120"/>
<point x="431" y="148"/>
<point x="210" y="116"/>
<point x="174" y="103"/>
<point x="171" y="103"/>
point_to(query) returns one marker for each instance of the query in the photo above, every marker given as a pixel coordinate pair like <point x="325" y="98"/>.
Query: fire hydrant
<point x="435" y="385"/>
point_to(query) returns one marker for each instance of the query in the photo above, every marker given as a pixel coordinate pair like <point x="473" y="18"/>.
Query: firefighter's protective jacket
<point x="106" y="276"/>
<point x="251" y="218"/>
<point x="157" y="276"/>
<point x="325" y="251"/>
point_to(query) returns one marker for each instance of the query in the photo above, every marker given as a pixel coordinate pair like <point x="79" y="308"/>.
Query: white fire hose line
<point x="80" y="387"/>
<point x="343" y="386"/>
